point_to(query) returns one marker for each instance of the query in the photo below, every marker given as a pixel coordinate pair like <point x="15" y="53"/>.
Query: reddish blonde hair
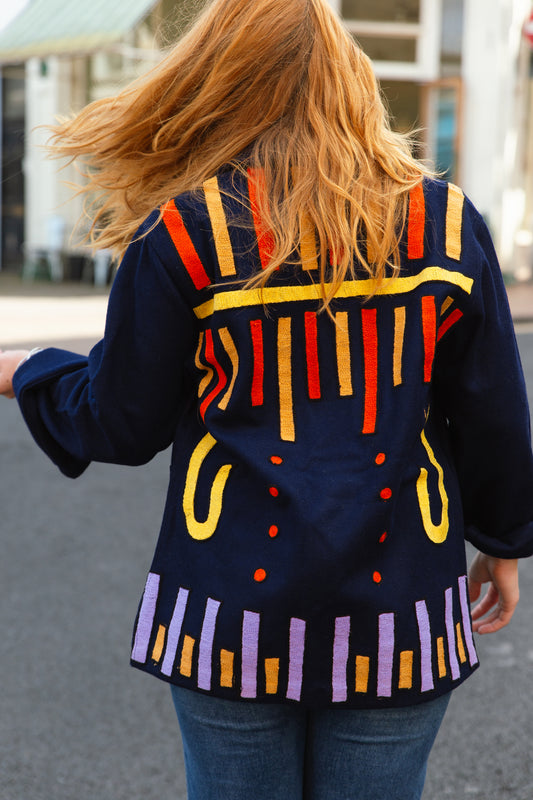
<point x="284" y="78"/>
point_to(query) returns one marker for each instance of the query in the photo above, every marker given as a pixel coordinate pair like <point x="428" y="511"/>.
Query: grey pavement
<point x="76" y="722"/>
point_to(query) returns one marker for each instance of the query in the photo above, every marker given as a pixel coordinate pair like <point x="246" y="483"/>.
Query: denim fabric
<point x="240" y="751"/>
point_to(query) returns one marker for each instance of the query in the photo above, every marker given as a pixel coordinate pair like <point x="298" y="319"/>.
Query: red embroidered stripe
<point x="429" y="330"/>
<point x="265" y="239"/>
<point x="370" y="348"/>
<point x="256" y="329"/>
<point x="454" y="317"/>
<point x="417" y="221"/>
<point x="222" y="379"/>
<point x="311" y="352"/>
<point x="183" y="244"/>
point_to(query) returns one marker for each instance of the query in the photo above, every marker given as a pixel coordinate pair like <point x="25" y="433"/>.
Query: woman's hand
<point x="9" y="361"/>
<point x="497" y="607"/>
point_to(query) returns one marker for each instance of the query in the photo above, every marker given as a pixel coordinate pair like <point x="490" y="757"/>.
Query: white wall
<point x="492" y="118"/>
<point x="47" y="196"/>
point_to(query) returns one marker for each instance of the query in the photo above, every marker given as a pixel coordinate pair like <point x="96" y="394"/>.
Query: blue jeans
<point x="241" y="751"/>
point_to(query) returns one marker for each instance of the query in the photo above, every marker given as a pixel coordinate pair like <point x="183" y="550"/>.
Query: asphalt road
<point x="77" y="723"/>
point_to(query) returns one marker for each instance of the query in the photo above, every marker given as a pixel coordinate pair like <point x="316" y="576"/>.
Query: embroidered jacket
<point x="324" y="474"/>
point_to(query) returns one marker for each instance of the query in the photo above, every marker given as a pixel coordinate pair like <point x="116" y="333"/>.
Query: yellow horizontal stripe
<point x="241" y="298"/>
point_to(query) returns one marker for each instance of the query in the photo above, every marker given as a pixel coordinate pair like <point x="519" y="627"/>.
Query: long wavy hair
<point x="284" y="79"/>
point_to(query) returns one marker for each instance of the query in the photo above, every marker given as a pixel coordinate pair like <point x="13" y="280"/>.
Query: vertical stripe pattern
<point x="205" y="649"/>
<point x="296" y="658"/>
<point x="340" y="659"/>
<point x="146" y="619"/>
<point x="344" y="359"/>
<point x="256" y="331"/>
<point x="416" y="222"/>
<point x="219" y="226"/>
<point x="385" y="654"/>
<point x="454" y="222"/>
<point x="184" y="245"/>
<point x="286" y="412"/>
<point x="250" y="647"/>
<point x="311" y="352"/>
<point x="426" y="659"/>
<point x="429" y="330"/>
<point x="370" y="349"/>
<point x="174" y="631"/>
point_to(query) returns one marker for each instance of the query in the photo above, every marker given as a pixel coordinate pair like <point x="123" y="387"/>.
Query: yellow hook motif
<point x="437" y="533"/>
<point x="204" y="530"/>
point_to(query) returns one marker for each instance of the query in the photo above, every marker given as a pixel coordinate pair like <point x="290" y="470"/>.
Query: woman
<point x="321" y="332"/>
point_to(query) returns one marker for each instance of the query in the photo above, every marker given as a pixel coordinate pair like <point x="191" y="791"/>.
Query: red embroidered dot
<point x="380" y="458"/>
<point x="276" y="459"/>
<point x="259" y="575"/>
<point x="383" y="537"/>
<point x="386" y="494"/>
<point x="376" y="577"/>
<point x="273" y="531"/>
<point x="273" y="491"/>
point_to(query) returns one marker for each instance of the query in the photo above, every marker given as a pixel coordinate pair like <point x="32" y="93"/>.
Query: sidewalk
<point x="73" y="314"/>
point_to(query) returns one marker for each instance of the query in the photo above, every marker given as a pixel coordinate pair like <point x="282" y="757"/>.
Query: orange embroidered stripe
<point x="370" y="349"/>
<point x="405" y="680"/>
<point x="311" y="351"/>
<point x="271" y="675"/>
<point x="454" y="222"/>
<point x="454" y="317"/>
<point x="417" y="222"/>
<point x="220" y="228"/>
<point x="429" y="330"/>
<point x="206" y="380"/>
<point x="222" y="379"/>
<point x="362" y="671"/>
<point x="226" y="668"/>
<point x="186" y="656"/>
<point x="159" y="642"/>
<point x="231" y="350"/>
<point x="183" y="244"/>
<point x="256" y="330"/>
<point x="308" y="243"/>
<point x="286" y="413"/>
<point x="399" y="334"/>
<point x="344" y="359"/>
<point x="265" y="239"/>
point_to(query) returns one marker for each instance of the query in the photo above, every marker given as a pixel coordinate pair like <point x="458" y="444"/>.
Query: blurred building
<point x="457" y="70"/>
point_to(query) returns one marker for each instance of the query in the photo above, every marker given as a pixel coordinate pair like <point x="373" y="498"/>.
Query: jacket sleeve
<point x="122" y="403"/>
<point x="481" y="384"/>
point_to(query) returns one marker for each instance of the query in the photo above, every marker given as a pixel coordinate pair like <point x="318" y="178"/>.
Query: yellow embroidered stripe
<point x="272" y="675"/>
<point x="362" y="669"/>
<point x="226" y="668"/>
<point x="241" y="298"/>
<point x="159" y="642"/>
<point x="286" y="412"/>
<point x="186" y="656"/>
<point x="399" y="334"/>
<point x="441" y="660"/>
<point x="460" y="644"/>
<point x="231" y="350"/>
<point x="220" y="227"/>
<point x="406" y="670"/>
<point x="454" y="222"/>
<point x="308" y="243"/>
<point x="344" y="362"/>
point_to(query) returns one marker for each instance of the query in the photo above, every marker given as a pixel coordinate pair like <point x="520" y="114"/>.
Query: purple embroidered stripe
<point x="296" y="658"/>
<point x="450" y="634"/>
<point x="424" y="632"/>
<point x="340" y="659"/>
<point x="174" y="631"/>
<point x="467" y="625"/>
<point x="146" y="618"/>
<point x="385" y="654"/>
<point x="250" y="640"/>
<point x="205" y="652"/>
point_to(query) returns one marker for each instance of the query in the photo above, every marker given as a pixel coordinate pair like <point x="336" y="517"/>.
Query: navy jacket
<point x="324" y="473"/>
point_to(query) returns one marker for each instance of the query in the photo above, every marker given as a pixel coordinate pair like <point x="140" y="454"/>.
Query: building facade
<point x="456" y="70"/>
